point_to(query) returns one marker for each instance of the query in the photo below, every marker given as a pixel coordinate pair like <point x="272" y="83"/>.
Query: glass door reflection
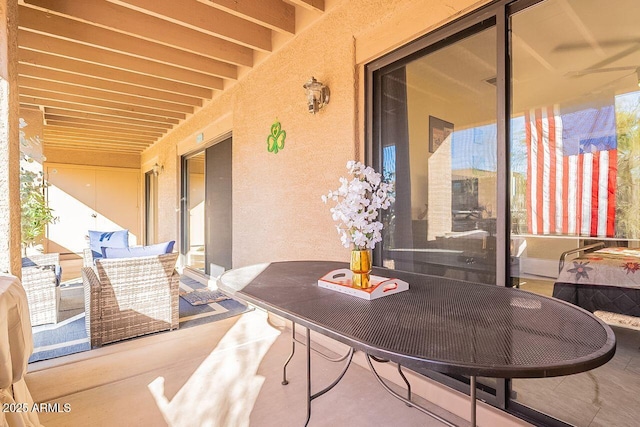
<point x="194" y="216"/>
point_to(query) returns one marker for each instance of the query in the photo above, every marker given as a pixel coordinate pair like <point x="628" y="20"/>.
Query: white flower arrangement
<point x="358" y="203"/>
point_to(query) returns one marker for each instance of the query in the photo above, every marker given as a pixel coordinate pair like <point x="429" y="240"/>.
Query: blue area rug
<point x="69" y="336"/>
<point x="60" y="339"/>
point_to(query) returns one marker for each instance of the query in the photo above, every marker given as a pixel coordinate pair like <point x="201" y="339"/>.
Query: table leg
<point x="404" y="378"/>
<point x="402" y="398"/>
<point x="307" y="343"/>
<point x="293" y="350"/>
<point x="408" y="384"/>
<point x="310" y="397"/>
<point x="472" y="393"/>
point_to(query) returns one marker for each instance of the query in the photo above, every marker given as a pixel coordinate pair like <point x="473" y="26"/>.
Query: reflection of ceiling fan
<point x="607" y="44"/>
<point x="601" y="67"/>
<point x="586" y="71"/>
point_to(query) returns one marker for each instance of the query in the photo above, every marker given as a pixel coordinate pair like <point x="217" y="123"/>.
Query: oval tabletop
<point x="446" y="325"/>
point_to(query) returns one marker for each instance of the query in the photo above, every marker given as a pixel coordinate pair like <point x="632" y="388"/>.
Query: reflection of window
<point x="571" y="170"/>
<point x="444" y="177"/>
<point x="582" y="179"/>
<point x="574" y="160"/>
<point x="194" y="214"/>
<point x="628" y="189"/>
<point x="464" y="194"/>
<point x="464" y="204"/>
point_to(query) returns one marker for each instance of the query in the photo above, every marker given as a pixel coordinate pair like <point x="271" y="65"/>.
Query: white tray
<point x="340" y="280"/>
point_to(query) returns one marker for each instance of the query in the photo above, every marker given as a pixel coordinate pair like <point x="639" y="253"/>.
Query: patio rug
<point x="69" y="336"/>
<point x="203" y="296"/>
<point x="192" y="315"/>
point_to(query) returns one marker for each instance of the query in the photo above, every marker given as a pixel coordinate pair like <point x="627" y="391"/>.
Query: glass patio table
<point x="446" y="325"/>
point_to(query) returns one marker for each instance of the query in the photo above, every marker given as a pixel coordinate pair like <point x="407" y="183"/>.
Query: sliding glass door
<point x="436" y="142"/>
<point x="151" y="207"/>
<point x="438" y="136"/>
<point x="207" y="209"/>
<point x="218" y="211"/>
<point x="511" y="136"/>
<point x="575" y="169"/>
<point x="194" y="244"/>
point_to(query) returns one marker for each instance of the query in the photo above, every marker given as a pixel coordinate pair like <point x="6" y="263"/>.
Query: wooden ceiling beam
<point x="38" y="21"/>
<point x="29" y="107"/>
<point x="92" y="135"/>
<point x="118" y="75"/>
<point x="145" y="27"/>
<point x="97" y="133"/>
<point x="91" y="147"/>
<point x="98" y="94"/>
<point x="202" y="17"/>
<point x="50" y="118"/>
<point x="108" y="112"/>
<point x="315" y="5"/>
<point x="79" y="133"/>
<point x="88" y="143"/>
<point x="90" y="127"/>
<point x="79" y="140"/>
<point x="62" y="55"/>
<point x="274" y="14"/>
<point x="95" y="145"/>
<point x="111" y="119"/>
<point x="104" y="142"/>
<point x="29" y="70"/>
<point x="76" y="99"/>
<point x="116" y="125"/>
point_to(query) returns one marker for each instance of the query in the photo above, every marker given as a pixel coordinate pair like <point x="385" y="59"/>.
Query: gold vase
<point x="361" y="263"/>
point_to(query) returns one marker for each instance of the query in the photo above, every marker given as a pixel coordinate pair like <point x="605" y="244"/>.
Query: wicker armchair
<point x="128" y="297"/>
<point x="87" y="257"/>
<point x="41" y="283"/>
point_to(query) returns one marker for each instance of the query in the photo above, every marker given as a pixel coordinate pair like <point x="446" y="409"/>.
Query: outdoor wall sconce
<point x="317" y="95"/>
<point x="157" y="169"/>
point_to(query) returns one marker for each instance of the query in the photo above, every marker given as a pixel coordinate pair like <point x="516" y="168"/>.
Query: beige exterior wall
<point x="91" y="198"/>
<point x="277" y="210"/>
<point x="168" y="184"/>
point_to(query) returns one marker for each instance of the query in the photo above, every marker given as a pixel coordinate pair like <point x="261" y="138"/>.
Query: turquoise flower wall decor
<point x="275" y="141"/>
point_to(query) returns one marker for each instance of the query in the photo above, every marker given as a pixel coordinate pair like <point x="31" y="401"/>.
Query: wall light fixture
<point x="157" y="169"/>
<point x="317" y="95"/>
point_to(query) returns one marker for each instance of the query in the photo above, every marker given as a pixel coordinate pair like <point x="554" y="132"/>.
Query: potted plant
<point x="35" y="213"/>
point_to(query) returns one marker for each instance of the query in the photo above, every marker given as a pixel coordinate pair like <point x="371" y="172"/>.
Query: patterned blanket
<point x="618" y="267"/>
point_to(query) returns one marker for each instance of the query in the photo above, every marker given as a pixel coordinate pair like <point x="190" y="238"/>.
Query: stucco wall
<point x="277" y="211"/>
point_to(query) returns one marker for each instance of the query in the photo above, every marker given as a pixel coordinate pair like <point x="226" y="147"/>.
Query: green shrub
<point x="35" y="213"/>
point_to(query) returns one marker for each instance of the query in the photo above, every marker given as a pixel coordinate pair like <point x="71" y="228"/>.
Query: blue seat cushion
<point x="58" y="271"/>
<point x="107" y="239"/>
<point x="138" y="251"/>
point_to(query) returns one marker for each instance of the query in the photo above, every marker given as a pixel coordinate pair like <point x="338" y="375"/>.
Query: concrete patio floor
<point x="226" y="373"/>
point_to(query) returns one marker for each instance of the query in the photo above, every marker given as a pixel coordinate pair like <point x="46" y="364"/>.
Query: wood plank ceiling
<point x="117" y="75"/>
